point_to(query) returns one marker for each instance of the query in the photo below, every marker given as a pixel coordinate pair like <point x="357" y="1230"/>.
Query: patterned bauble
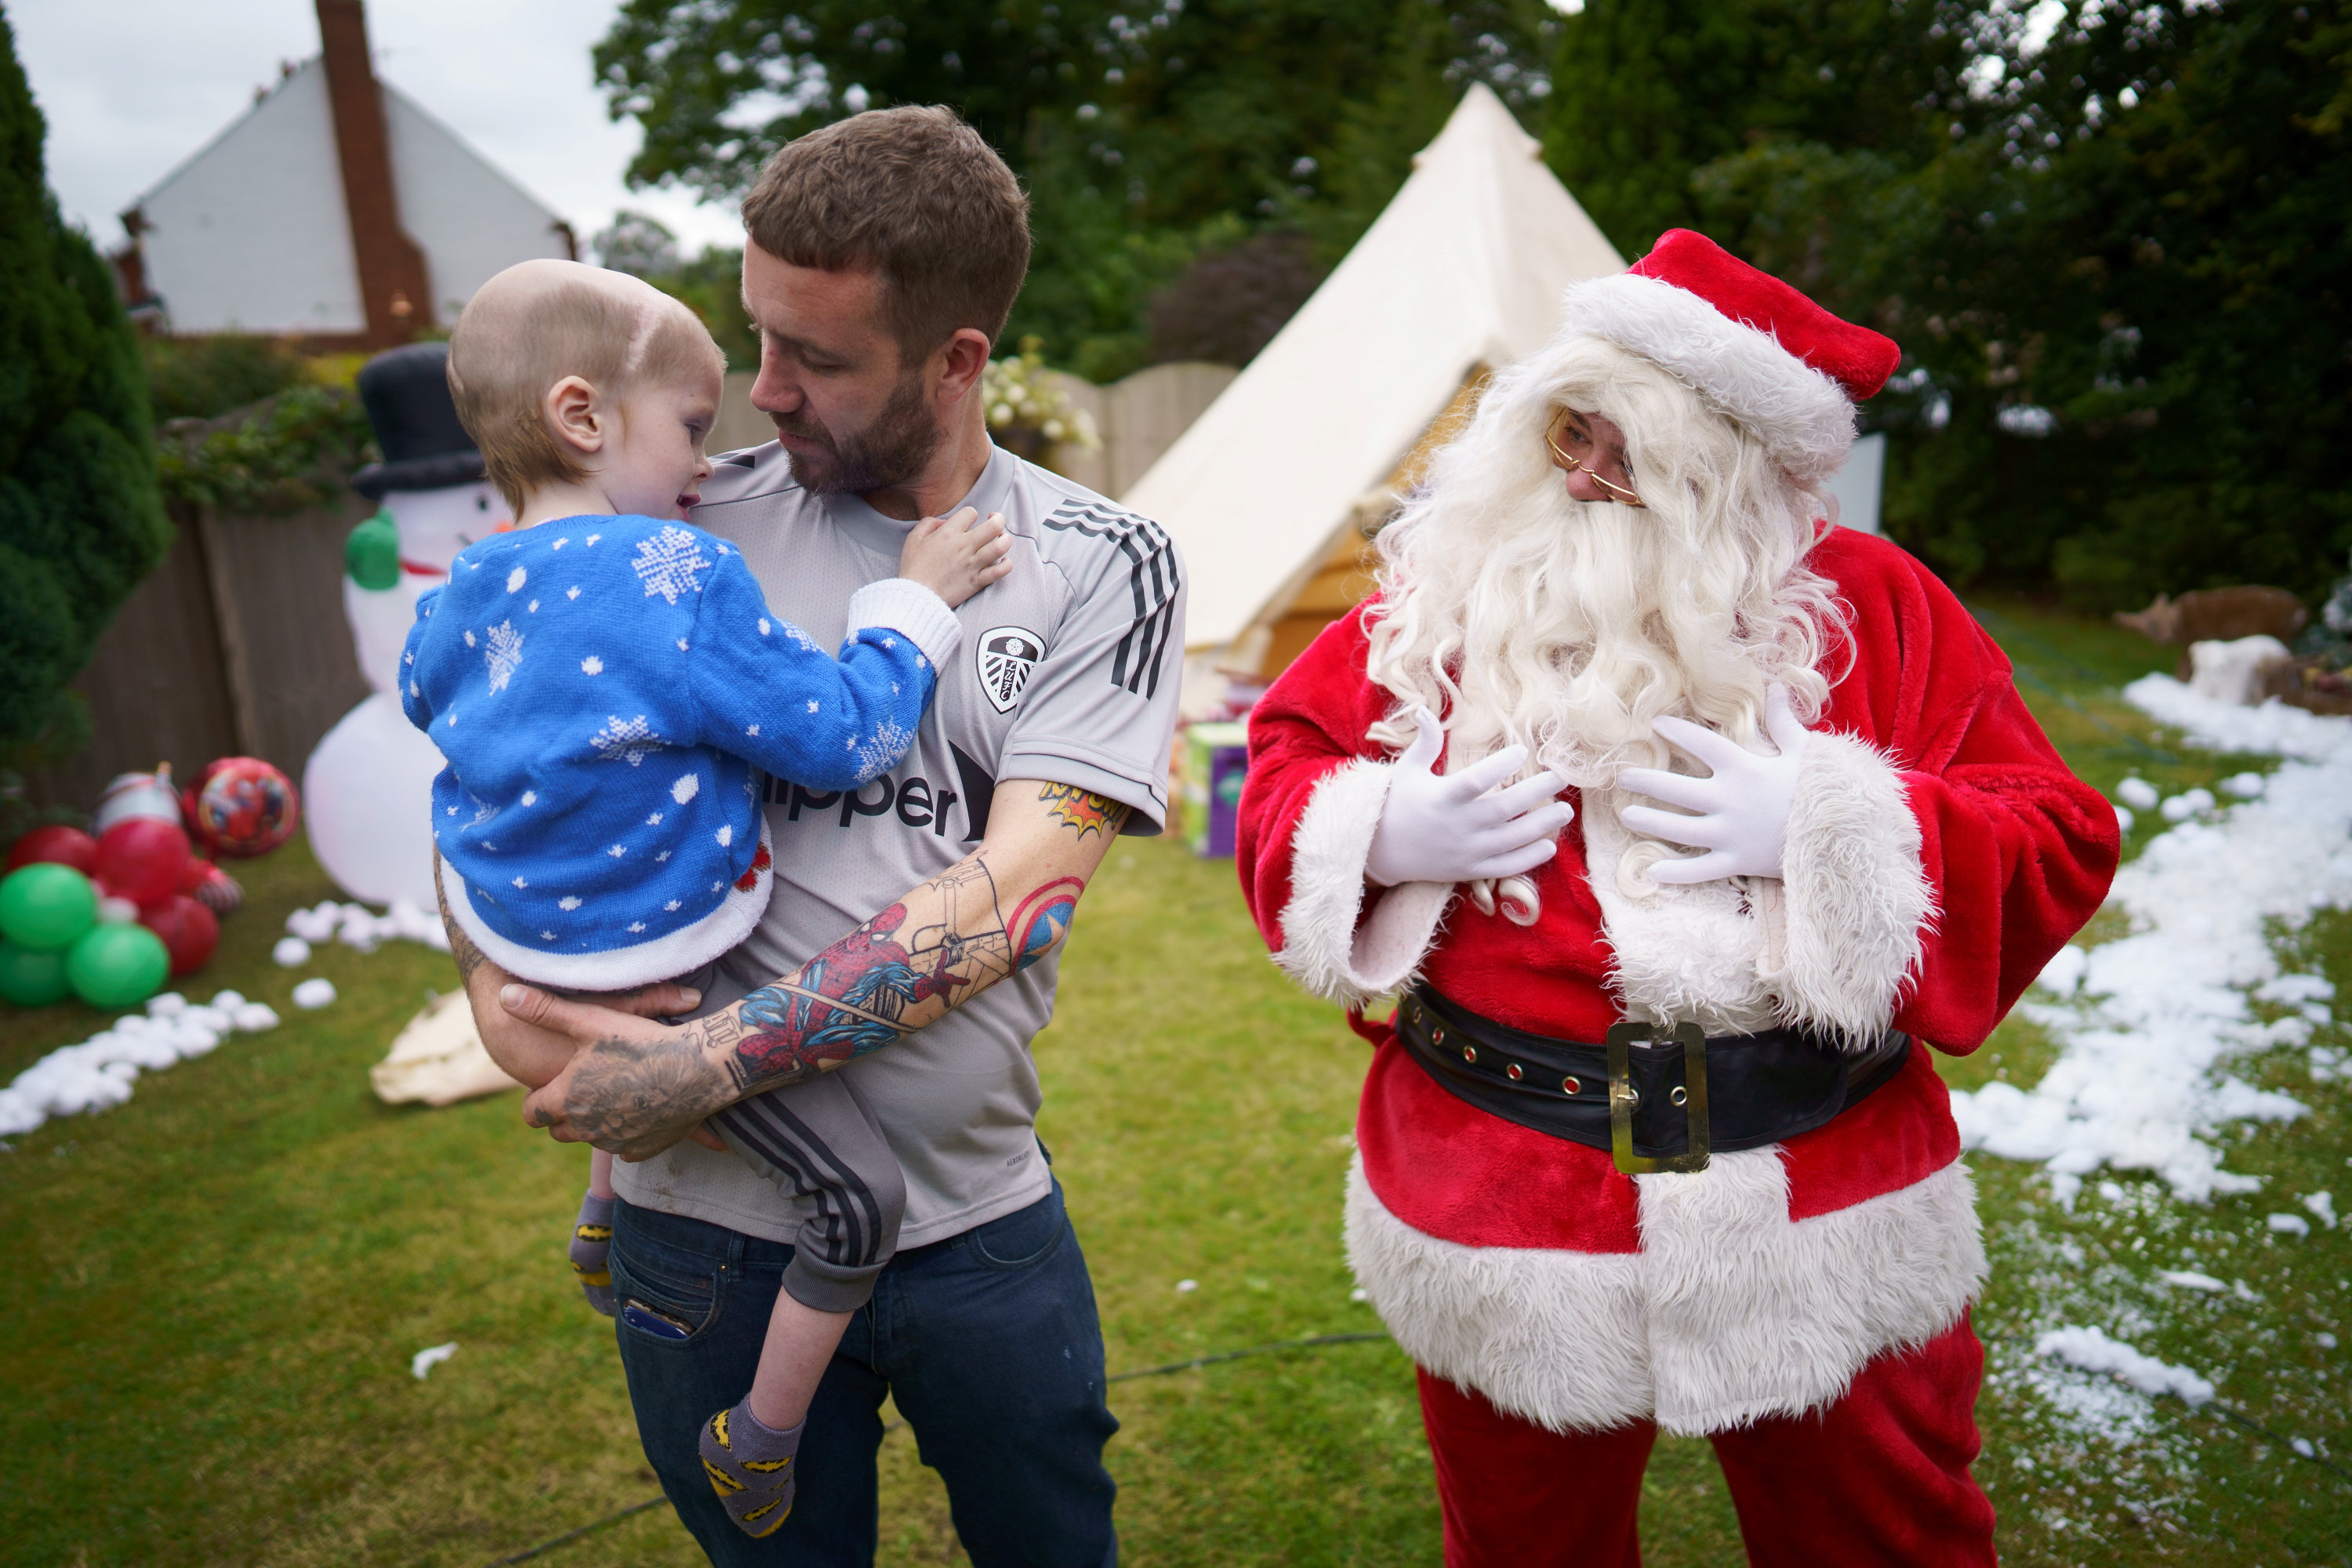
<point x="242" y="806"/>
<point x="129" y="795"/>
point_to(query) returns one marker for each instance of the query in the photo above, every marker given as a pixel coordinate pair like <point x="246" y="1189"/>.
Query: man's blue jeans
<point x="988" y="1341"/>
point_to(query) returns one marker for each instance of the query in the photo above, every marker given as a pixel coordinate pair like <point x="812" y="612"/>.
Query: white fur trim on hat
<point x="1801" y="415"/>
<point x="682" y="952"/>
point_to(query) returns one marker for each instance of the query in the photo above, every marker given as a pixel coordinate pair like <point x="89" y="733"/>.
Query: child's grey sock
<point x="592" y="1249"/>
<point x="750" y="1468"/>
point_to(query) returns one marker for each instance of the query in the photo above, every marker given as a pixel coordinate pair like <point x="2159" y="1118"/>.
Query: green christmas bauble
<point x="29" y="979"/>
<point x="46" y="907"/>
<point x="371" y="553"/>
<point x="117" y="965"/>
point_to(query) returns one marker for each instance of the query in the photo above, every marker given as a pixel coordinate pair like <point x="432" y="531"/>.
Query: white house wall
<point x="471" y="220"/>
<point x="250" y="234"/>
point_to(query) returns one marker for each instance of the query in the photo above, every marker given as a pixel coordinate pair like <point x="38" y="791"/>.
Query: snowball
<point x="2188" y="803"/>
<point x="2322" y="1206"/>
<point x="254" y="1017"/>
<point x="2245" y="786"/>
<point x="2137" y="793"/>
<point x="2063" y="972"/>
<point x="2288" y="1225"/>
<point x="2092" y="1351"/>
<point x="2124" y="818"/>
<point x="1186" y="1287"/>
<point x="2190" y="1279"/>
<point x="167" y="1004"/>
<point x="315" y="924"/>
<point x="116" y="911"/>
<point x="315" y="992"/>
<point x="291" y="952"/>
<point x="226" y="1001"/>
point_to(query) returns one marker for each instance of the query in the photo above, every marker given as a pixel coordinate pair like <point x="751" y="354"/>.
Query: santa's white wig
<point x="1525" y="617"/>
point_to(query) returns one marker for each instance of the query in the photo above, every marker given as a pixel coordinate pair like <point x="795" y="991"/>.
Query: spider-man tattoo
<point x="855" y="995"/>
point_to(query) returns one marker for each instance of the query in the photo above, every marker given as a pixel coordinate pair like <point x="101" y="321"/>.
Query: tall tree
<point x="1144" y="130"/>
<point x="2120" y="286"/>
<point x="1647" y="91"/>
<point x="80" y="517"/>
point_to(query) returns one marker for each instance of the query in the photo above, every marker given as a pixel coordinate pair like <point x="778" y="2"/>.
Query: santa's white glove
<point x="1743" y="810"/>
<point x="1436" y="829"/>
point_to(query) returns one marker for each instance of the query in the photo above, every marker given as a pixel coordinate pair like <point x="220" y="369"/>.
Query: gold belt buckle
<point x="1623" y="1096"/>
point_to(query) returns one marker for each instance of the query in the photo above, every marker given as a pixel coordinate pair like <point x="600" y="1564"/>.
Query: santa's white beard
<point x="1573" y="625"/>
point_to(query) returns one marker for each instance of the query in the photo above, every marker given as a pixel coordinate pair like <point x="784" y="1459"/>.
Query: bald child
<point x="603" y="682"/>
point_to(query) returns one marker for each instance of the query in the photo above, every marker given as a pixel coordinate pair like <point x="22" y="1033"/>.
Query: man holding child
<point x="922" y="910"/>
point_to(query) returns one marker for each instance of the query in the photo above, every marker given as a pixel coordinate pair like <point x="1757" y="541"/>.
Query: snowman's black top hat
<point x="406" y="393"/>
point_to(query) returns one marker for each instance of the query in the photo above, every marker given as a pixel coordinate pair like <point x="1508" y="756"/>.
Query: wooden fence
<point x="237" y="644"/>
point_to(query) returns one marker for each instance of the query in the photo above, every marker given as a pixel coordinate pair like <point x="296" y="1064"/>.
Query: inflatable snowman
<point x="368" y="788"/>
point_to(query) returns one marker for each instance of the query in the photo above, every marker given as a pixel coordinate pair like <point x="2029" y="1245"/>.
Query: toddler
<point x="603" y="682"/>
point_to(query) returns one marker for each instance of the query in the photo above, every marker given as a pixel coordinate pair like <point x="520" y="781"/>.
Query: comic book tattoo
<point x="879" y="983"/>
<point x="1081" y="809"/>
<point x="1043" y="920"/>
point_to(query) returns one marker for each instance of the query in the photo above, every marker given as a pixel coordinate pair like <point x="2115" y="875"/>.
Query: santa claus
<point x="1682" y="819"/>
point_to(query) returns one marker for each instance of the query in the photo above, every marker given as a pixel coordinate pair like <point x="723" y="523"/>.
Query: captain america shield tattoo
<point x="1005" y="659"/>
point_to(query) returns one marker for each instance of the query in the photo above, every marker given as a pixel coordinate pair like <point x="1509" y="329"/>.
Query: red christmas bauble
<point x="189" y="931"/>
<point x="242" y="806"/>
<point x="142" y="860"/>
<point x="55" y="846"/>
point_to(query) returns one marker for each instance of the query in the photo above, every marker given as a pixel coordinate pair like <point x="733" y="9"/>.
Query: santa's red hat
<point x="1755" y="348"/>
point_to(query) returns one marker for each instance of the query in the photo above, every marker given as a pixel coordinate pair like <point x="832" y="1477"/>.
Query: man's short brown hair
<point x="913" y="194"/>
<point x="539" y="321"/>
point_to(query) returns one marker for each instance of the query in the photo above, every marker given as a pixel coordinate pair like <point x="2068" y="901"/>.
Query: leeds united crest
<point x="1006" y="658"/>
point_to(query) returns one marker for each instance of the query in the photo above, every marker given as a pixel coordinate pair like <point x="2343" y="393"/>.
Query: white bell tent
<point x="1273" y="492"/>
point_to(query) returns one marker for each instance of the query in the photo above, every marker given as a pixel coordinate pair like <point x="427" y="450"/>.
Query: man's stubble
<point x="890" y="451"/>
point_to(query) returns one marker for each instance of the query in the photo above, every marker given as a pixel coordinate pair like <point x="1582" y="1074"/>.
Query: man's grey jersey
<point x="1068" y="673"/>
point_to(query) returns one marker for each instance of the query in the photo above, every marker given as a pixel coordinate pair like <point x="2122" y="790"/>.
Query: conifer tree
<point x="81" y="519"/>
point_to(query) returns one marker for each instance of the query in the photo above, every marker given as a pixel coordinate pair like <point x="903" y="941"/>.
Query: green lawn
<point x="221" y="1282"/>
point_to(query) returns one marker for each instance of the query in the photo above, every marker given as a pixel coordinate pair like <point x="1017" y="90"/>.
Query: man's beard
<point x="889" y="451"/>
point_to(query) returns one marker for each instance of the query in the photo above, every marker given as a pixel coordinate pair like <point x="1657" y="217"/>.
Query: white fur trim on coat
<point x="1801" y="415"/>
<point x="1328" y="945"/>
<point x="1731" y="1313"/>
<point x="625" y="967"/>
<point x="1856" y="899"/>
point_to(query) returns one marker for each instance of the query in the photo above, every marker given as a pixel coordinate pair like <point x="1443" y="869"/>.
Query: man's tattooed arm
<point x="461" y="946"/>
<point x="994" y="915"/>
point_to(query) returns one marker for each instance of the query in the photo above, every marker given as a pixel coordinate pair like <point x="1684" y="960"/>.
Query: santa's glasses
<point x="1567" y="423"/>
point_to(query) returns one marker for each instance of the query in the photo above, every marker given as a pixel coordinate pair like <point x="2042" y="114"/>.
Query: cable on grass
<point x="1311" y="1342"/>
<point x="528" y="1552"/>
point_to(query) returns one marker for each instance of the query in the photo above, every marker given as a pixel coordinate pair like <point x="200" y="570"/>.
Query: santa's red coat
<point x="1938" y="855"/>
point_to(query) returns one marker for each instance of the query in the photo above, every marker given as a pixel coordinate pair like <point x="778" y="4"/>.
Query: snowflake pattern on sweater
<point x="599" y="796"/>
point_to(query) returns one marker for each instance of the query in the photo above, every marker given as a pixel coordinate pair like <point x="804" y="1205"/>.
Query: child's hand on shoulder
<point x="956" y="557"/>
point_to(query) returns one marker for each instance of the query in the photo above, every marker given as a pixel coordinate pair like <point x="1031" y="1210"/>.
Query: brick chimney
<point x="394" y="284"/>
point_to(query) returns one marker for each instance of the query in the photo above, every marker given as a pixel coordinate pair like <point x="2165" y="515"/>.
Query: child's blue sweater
<point x="601" y="687"/>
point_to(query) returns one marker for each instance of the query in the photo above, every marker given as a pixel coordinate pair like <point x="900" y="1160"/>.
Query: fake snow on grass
<point x="97" y="1074"/>
<point x="357" y="926"/>
<point x="2150" y="1024"/>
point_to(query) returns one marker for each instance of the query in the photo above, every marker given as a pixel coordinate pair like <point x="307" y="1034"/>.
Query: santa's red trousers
<point x="1879" y="1479"/>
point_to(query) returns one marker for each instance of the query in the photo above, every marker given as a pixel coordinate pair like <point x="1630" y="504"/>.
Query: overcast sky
<point x="130" y="88"/>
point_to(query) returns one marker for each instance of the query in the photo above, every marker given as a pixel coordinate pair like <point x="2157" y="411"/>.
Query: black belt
<point x="1652" y="1106"/>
